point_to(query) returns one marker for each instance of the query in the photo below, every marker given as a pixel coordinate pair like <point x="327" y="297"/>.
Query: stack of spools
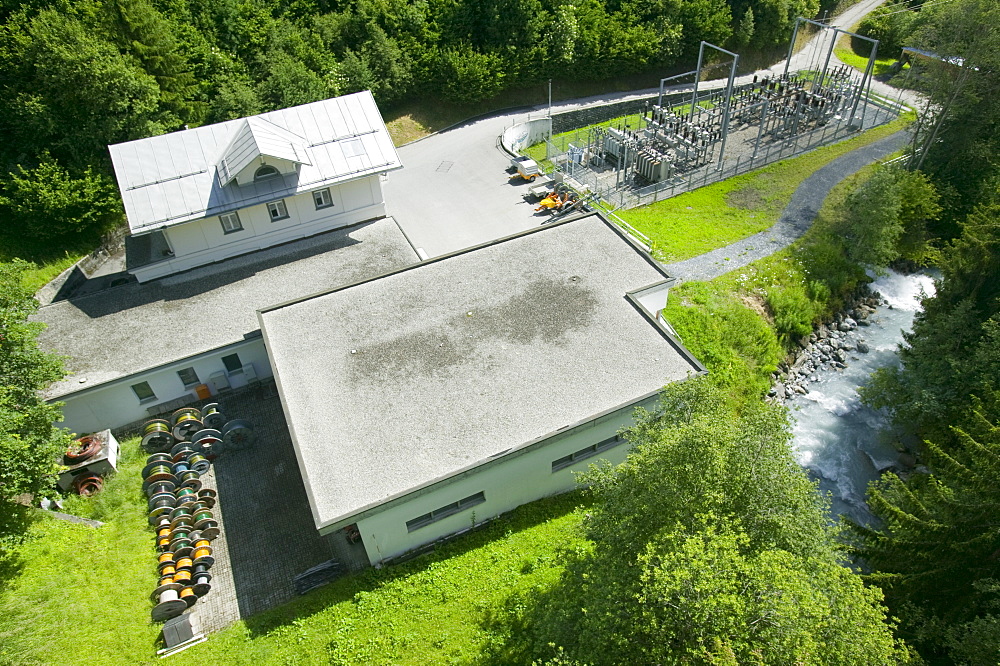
<point x="180" y="510"/>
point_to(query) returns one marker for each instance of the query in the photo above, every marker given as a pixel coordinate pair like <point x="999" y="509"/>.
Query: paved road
<point x="453" y="191"/>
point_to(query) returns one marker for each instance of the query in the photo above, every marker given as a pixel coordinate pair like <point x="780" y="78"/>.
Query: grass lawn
<point x="855" y="52"/>
<point x="42" y="273"/>
<point x="717" y="215"/>
<point x="740" y="323"/>
<point x="81" y="594"/>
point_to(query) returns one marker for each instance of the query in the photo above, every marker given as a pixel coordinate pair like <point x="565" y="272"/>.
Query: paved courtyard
<point x="132" y="327"/>
<point x="267" y="532"/>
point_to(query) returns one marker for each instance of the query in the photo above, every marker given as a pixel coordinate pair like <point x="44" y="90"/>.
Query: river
<point x="840" y="441"/>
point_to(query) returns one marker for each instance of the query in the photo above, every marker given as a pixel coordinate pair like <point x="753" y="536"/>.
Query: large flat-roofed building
<point x="135" y="350"/>
<point x="213" y="192"/>
<point x="437" y="396"/>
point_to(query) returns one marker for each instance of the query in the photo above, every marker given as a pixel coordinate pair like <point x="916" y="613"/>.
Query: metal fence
<point x="607" y="186"/>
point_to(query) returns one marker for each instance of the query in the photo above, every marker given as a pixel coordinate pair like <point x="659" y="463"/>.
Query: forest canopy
<point x="78" y="75"/>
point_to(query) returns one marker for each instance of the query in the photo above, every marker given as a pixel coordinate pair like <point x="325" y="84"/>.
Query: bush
<point x="466" y="75"/>
<point x="890" y="26"/>
<point x="792" y="309"/>
<point x="51" y="204"/>
<point x="735" y="343"/>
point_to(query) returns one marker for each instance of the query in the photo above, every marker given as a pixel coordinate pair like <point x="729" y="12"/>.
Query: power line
<point x="893" y="5"/>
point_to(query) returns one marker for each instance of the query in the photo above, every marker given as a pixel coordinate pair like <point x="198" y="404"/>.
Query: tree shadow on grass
<point x="371" y="580"/>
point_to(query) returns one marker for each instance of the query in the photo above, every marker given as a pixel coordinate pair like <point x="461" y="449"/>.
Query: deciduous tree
<point x="54" y="207"/>
<point x="29" y="444"/>
<point x="888" y="206"/>
<point x="710" y="544"/>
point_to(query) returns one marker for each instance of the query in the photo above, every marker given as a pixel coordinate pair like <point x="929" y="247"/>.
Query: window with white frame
<point x="588" y="452"/>
<point x="445" y="511"/>
<point x="143" y="392"/>
<point x="230" y="222"/>
<point x="188" y="377"/>
<point x="277" y="210"/>
<point x="322" y="199"/>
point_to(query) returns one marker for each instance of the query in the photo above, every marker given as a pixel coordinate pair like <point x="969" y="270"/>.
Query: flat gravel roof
<point x="134" y="327"/>
<point x="402" y="380"/>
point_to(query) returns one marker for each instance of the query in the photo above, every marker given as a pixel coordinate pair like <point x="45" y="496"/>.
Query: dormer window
<point x="265" y="172"/>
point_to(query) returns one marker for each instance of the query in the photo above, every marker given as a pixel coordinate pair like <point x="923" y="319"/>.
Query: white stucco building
<point x="421" y="398"/>
<point x="203" y="195"/>
<point x="440" y="395"/>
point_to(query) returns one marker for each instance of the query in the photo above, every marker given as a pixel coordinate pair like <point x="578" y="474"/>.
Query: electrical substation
<point x="677" y="141"/>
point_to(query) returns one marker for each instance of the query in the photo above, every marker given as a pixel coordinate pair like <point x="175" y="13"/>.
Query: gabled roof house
<point x="206" y="194"/>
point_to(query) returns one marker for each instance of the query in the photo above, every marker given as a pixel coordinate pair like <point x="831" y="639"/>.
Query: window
<point x="232" y="363"/>
<point x="588" y="452"/>
<point x="265" y="172"/>
<point x="143" y="392"/>
<point x="188" y="377"/>
<point x="277" y="210"/>
<point x="445" y="511"/>
<point x="230" y="223"/>
<point x="322" y="199"/>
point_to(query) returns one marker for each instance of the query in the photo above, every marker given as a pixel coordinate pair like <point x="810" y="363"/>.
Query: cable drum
<point x="199" y="463"/>
<point x="186" y="422"/>
<point x="212" y="416"/>
<point x="207" y="442"/>
<point x="238" y="435"/>
<point x="88" y="484"/>
<point x="82" y="449"/>
<point x="181" y="451"/>
<point x="156" y="436"/>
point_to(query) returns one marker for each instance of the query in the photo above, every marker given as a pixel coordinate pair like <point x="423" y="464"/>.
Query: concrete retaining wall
<point x="518" y="137"/>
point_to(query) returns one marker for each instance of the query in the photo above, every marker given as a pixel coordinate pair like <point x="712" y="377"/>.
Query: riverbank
<point x="842" y="442"/>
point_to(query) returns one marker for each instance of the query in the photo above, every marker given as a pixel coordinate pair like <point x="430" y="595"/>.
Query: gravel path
<point x="797" y="217"/>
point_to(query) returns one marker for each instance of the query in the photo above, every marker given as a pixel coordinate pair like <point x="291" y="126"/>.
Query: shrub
<point x="466" y="75"/>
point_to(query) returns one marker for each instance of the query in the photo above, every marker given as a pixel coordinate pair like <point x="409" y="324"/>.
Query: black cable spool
<point x="208" y="442"/>
<point x="157" y="487"/>
<point x="238" y="435"/>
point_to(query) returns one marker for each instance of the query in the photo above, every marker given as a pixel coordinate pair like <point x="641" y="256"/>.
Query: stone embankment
<point x="831" y="346"/>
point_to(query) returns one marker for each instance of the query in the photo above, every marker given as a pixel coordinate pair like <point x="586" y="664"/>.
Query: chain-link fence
<point x="617" y="187"/>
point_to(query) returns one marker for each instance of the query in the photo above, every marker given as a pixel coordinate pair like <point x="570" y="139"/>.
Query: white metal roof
<point x="257" y="137"/>
<point x="174" y="178"/>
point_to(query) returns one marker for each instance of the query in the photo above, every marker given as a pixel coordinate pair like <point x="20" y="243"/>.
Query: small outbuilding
<point x="430" y="399"/>
<point x="206" y="194"/>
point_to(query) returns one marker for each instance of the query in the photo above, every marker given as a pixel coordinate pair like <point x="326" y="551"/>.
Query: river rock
<point x="801" y="390"/>
<point x="864" y="322"/>
<point x="779" y="391"/>
<point x="863" y="347"/>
